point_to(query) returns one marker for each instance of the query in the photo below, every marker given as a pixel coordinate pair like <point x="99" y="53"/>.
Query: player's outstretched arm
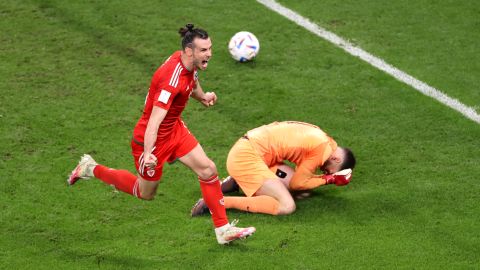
<point x="207" y="99"/>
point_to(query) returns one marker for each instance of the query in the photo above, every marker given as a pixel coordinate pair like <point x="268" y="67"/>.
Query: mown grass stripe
<point x="377" y="62"/>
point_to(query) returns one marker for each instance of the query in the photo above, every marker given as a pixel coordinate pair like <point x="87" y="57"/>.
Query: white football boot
<point x="84" y="169"/>
<point x="229" y="232"/>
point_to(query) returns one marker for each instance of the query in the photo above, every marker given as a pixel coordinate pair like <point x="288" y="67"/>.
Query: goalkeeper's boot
<point x="229" y="185"/>
<point x="84" y="169"/>
<point x="200" y="208"/>
<point x="229" y="233"/>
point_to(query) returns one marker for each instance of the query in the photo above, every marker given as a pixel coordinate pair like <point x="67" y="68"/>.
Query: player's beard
<point x="325" y="165"/>
<point x="200" y="63"/>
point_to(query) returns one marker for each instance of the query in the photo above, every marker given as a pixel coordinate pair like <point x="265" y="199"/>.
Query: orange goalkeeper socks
<point x="258" y="204"/>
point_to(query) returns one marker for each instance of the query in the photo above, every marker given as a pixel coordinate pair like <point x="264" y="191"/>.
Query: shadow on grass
<point x="359" y="208"/>
<point x="331" y="206"/>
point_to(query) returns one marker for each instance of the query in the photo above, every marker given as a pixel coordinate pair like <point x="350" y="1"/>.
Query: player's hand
<point x="209" y="99"/>
<point x="340" y="178"/>
<point x="149" y="160"/>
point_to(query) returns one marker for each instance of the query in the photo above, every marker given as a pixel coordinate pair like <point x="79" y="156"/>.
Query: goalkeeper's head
<point x="342" y="158"/>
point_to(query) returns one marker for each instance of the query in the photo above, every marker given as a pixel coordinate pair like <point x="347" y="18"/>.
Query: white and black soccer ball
<point x="244" y="46"/>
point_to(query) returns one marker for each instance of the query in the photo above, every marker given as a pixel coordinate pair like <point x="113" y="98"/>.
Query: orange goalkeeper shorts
<point x="247" y="167"/>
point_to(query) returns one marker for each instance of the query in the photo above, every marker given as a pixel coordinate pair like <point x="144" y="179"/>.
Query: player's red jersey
<point x="170" y="89"/>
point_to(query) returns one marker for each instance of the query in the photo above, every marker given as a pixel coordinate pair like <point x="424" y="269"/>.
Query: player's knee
<point x="287" y="208"/>
<point x="148" y="195"/>
<point x="208" y="171"/>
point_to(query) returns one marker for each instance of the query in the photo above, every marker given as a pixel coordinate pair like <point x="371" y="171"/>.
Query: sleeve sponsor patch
<point x="164" y="96"/>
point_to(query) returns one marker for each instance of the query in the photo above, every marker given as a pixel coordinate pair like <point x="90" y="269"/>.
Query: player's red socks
<point x="121" y="179"/>
<point x="213" y="197"/>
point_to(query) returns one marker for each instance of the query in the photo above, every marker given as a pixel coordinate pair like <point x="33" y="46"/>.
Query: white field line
<point x="372" y="60"/>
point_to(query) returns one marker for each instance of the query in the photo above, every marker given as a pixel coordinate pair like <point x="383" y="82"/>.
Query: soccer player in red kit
<point x="161" y="136"/>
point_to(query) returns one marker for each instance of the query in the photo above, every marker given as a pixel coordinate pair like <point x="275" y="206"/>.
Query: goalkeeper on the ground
<point x="253" y="165"/>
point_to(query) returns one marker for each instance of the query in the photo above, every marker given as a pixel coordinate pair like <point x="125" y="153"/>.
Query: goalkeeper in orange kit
<point x="254" y="165"/>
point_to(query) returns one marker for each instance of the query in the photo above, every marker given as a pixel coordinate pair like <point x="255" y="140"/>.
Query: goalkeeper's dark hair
<point x="189" y="33"/>
<point x="349" y="159"/>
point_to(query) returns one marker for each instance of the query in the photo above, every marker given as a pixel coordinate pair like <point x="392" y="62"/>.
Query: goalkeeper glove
<point x="340" y="178"/>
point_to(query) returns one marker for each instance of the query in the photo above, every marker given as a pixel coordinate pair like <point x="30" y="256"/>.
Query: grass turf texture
<point x="73" y="80"/>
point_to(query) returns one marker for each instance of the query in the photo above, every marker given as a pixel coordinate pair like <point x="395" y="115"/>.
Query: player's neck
<point x="186" y="61"/>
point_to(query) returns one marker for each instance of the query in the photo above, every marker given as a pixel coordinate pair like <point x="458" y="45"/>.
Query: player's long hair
<point x="188" y="34"/>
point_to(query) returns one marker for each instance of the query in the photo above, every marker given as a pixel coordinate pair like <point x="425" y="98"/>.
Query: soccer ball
<point x="244" y="46"/>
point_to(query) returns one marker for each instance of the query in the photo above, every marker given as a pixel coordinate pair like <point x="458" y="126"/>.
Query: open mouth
<point x="204" y="63"/>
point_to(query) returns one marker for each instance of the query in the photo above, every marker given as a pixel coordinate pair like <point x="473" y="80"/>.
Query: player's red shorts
<point x="180" y="143"/>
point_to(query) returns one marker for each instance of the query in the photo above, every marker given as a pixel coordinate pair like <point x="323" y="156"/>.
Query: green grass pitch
<point x="73" y="79"/>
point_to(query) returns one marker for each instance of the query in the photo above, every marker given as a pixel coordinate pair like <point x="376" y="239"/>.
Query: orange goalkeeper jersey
<point x="301" y="143"/>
